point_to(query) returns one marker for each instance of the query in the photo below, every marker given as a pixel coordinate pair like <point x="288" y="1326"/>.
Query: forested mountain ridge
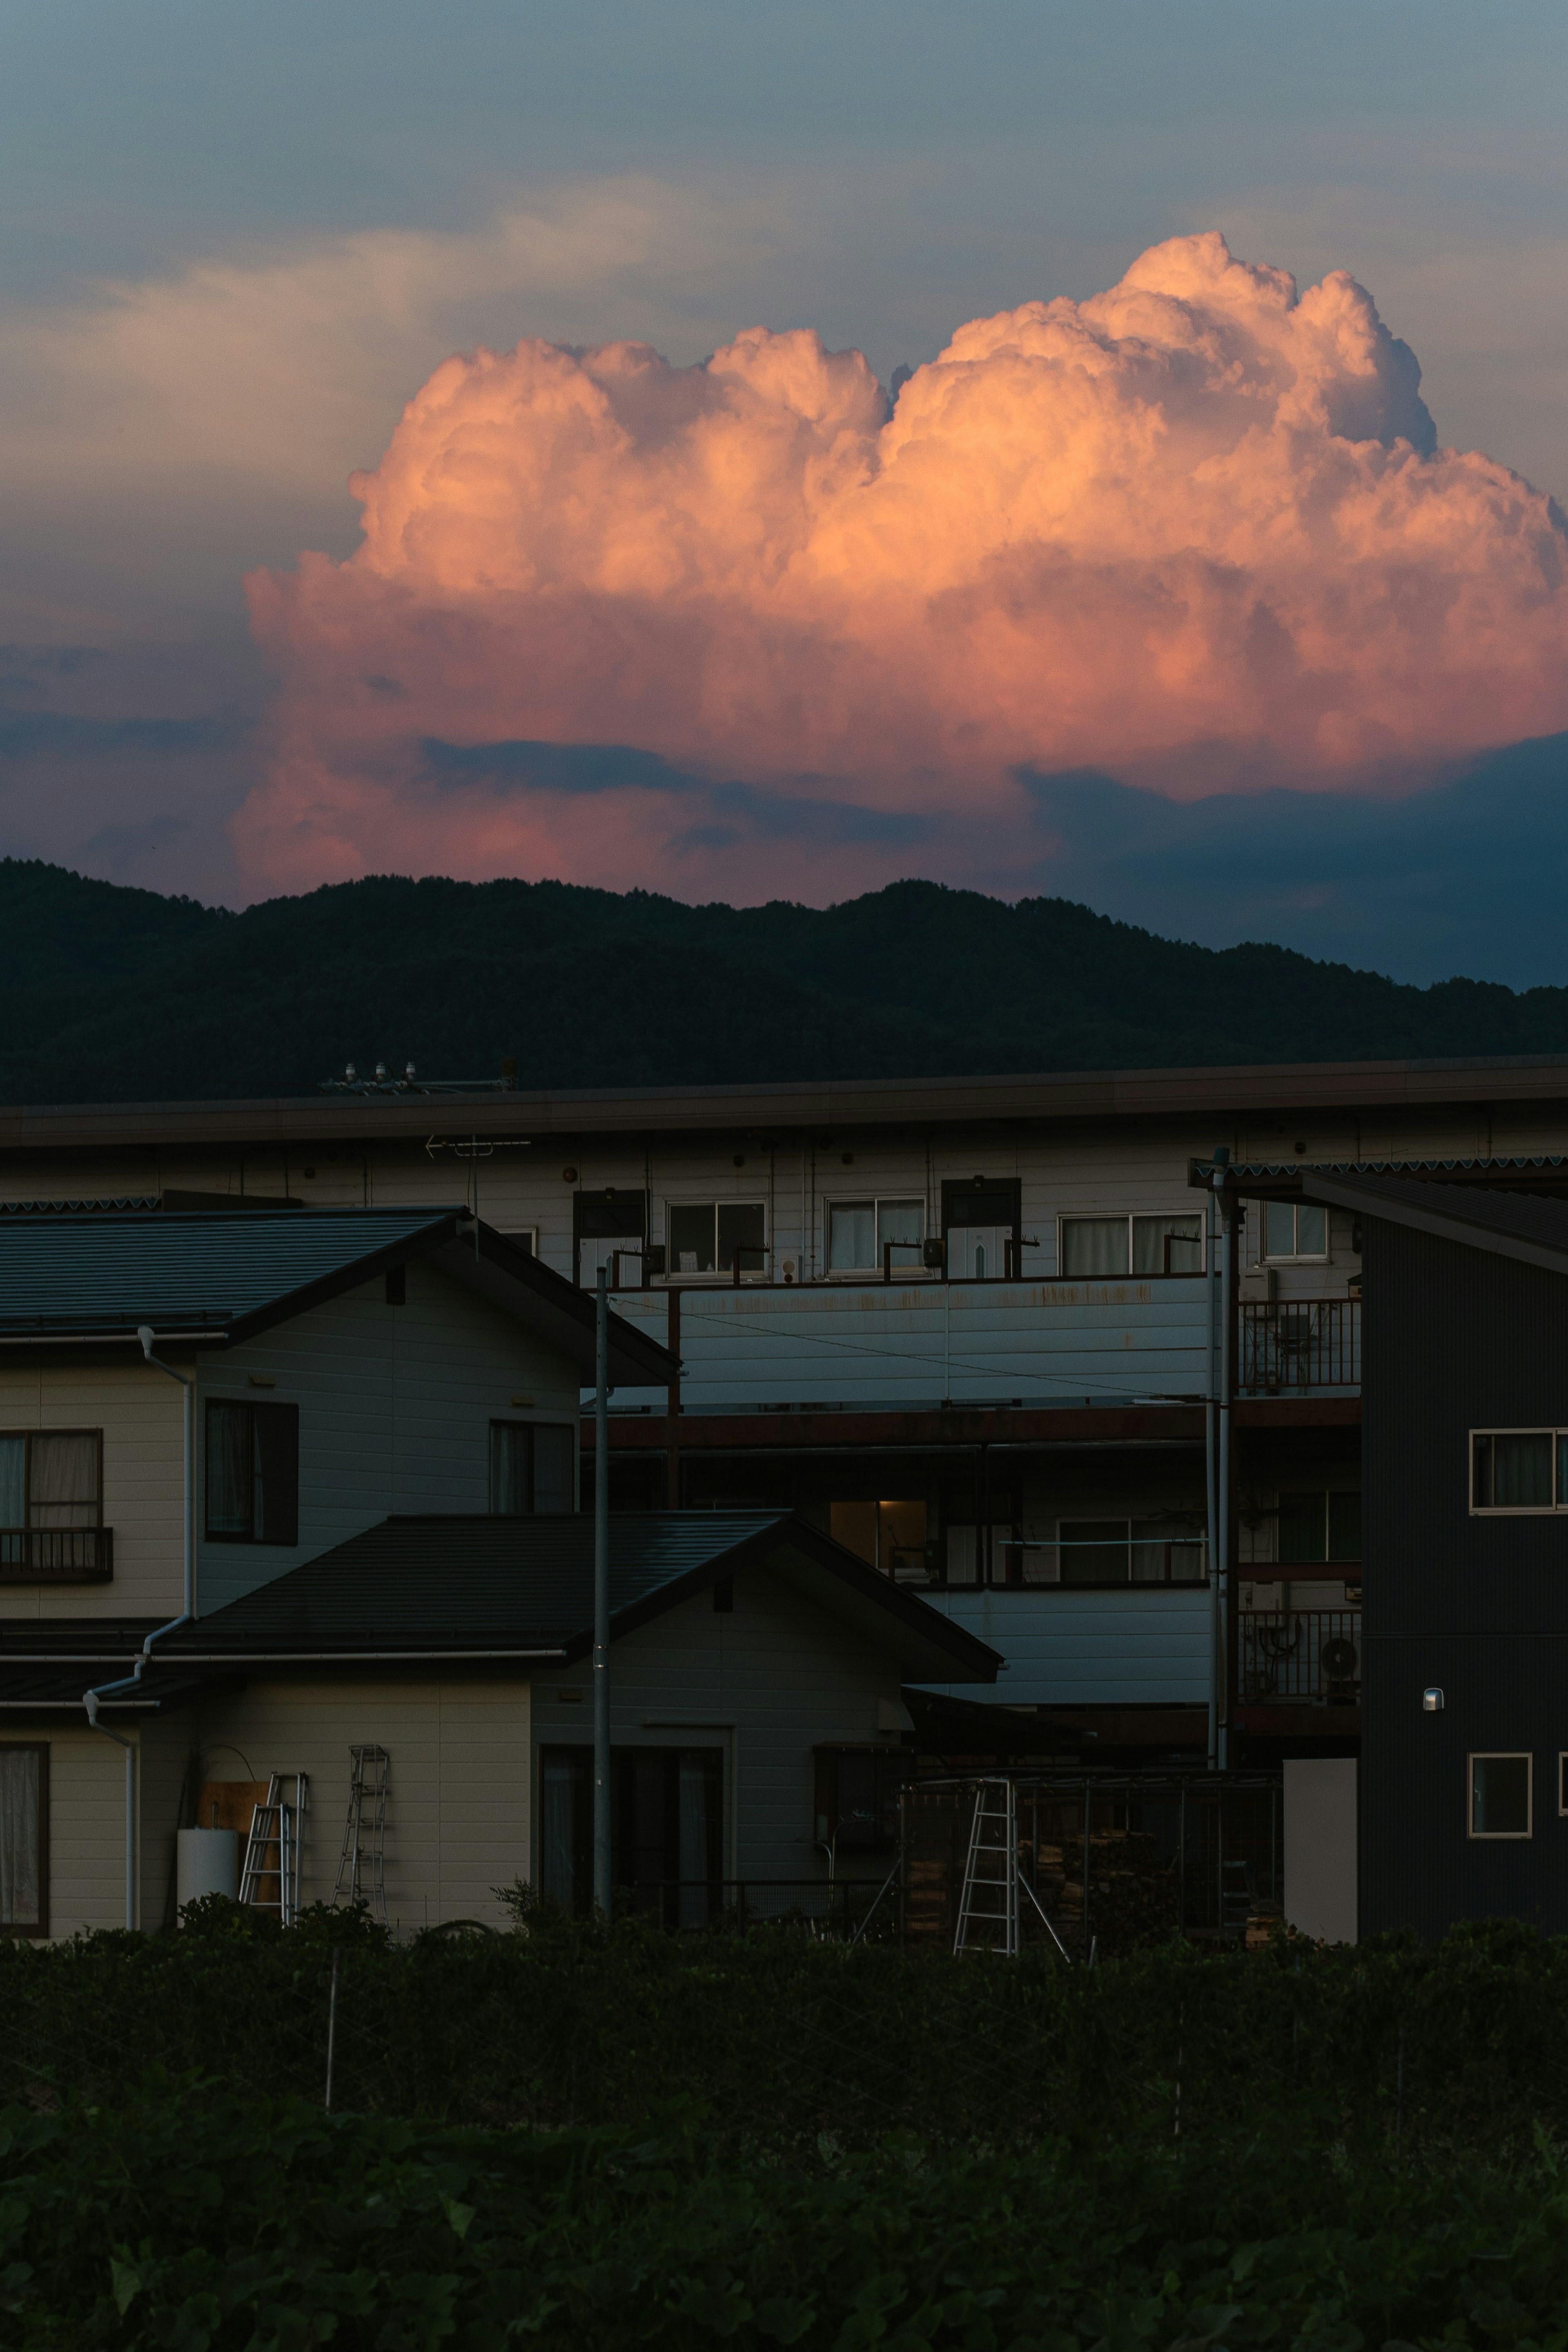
<point x="113" y="993"/>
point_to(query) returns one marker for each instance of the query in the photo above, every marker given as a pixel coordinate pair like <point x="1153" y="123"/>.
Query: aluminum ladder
<point x="993" y="1889"/>
<point x="272" y="1849"/>
<point x="362" y="1865"/>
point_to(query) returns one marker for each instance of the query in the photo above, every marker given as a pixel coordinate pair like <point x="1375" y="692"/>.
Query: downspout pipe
<point x="188" y="1581"/>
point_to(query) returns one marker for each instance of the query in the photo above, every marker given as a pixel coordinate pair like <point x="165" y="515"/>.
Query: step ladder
<point x="361" y="1867"/>
<point x="990" y="1898"/>
<point x="272" y="1849"/>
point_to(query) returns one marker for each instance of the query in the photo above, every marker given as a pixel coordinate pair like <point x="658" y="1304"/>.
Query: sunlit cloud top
<point x="1194" y="530"/>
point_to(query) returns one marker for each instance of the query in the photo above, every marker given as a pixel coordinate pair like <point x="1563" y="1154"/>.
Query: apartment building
<point x="967" y="1328"/>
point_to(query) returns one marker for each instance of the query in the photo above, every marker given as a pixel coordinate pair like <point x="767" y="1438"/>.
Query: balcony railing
<point x="1310" y="1655"/>
<point x="1305" y="1343"/>
<point x="56" y="1555"/>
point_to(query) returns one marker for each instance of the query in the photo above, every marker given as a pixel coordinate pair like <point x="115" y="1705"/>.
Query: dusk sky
<point x="756" y="452"/>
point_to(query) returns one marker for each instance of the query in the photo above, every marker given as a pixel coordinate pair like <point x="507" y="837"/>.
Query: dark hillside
<point x="113" y="994"/>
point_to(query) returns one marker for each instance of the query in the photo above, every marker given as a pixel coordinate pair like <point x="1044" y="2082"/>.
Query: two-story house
<point x="277" y="1485"/>
<point x="969" y="1328"/>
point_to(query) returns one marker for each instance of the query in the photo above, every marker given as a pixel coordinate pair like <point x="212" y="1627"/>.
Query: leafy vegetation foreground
<point x="568" y="2137"/>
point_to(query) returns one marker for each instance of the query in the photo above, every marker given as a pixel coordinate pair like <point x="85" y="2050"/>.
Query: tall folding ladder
<point x="993" y="1887"/>
<point x="361" y="1867"/>
<point x="272" y="1849"/>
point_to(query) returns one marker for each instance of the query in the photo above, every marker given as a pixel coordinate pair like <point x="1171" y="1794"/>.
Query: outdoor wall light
<point x="1432" y="1699"/>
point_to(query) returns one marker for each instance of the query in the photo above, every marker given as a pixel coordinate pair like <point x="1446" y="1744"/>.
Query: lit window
<point x="860" y="1231"/>
<point x="1295" y="1229"/>
<point x="1100" y="1249"/>
<point x="1519" y="1470"/>
<point x="705" y="1236"/>
<point x="1500" y="1796"/>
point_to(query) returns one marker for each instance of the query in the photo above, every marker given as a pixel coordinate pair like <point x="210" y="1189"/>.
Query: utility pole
<point x="602" y="1854"/>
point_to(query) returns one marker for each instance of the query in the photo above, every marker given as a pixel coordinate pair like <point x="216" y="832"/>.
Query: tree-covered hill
<point x="115" y="995"/>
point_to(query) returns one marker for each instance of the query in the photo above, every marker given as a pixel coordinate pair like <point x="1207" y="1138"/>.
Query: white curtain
<point x="19" y="1826"/>
<point x="851" y="1235"/>
<point x="63" y="1480"/>
<point x="1186" y="1237"/>
<point x="1094" y="1248"/>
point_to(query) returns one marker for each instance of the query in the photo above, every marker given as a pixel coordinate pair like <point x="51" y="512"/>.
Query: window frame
<point x="1562" y="1781"/>
<point x="29" y="1437"/>
<point x="519" y="1421"/>
<point x="718" y="1273"/>
<point x="35" y="1930"/>
<point x="1065" y="1217"/>
<point x="1295" y="1256"/>
<point x="1556" y="1508"/>
<point x="1499" y="1756"/>
<point x="874" y="1202"/>
<point x="252" y="1406"/>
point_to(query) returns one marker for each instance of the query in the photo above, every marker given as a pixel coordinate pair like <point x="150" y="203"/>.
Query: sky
<point x="1109" y="453"/>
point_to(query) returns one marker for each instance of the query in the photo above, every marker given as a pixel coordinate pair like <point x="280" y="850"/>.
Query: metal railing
<point x="56" y="1555"/>
<point x="1305" y="1655"/>
<point x="1301" y="1343"/>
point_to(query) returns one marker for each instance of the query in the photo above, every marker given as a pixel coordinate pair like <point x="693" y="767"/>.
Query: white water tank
<point x="207" y="1863"/>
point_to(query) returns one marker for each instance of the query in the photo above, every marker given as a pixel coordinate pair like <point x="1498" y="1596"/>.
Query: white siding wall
<point x="396" y="1404"/>
<point x="460" y="1802"/>
<point x="139" y="1412"/>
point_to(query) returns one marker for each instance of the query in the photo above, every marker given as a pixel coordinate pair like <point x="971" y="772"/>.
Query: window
<point x="858" y="1232"/>
<point x="1109" y="1551"/>
<point x="522" y="1237"/>
<point x="888" y="1536"/>
<point x="1519" y="1470"/>
<point x="705" y="1236"/>
<point x="24" y="1841"/>
<point x="1500" y="1796"/>
<point x="253" y="1472"/>
<point x="1319" y="1526"/>
<point x="1562" y="1783"/>
<point x="1295" y="1229"/>
<point x="534" y="1467"/>
<point x="857" y="1792"/>
<point x="50" y="1478"/>
<point x="1104" y="1248"/>
<point x="604" y="1222"/>
<point x="980" y="1218"/>
<point x="667" y="1812"/>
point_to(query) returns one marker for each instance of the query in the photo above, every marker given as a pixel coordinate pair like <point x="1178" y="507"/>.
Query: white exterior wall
<point x="396" y="1404"/>
<point x="140" y="1412"/>
<point x="460" y="1808"/>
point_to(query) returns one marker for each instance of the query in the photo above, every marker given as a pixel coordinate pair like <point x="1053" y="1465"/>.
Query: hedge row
<point x="780" y="2038"/>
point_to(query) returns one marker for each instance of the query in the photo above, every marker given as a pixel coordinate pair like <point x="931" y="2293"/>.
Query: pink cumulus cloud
<point x="1195" y="531"/>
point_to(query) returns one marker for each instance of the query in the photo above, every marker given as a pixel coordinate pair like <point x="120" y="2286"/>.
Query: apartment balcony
<point x="1299" y="1657"/>
<point x="56" y="1555"/>
<point x="1300" y="1346"/>
<point x="920" y="1344"/>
